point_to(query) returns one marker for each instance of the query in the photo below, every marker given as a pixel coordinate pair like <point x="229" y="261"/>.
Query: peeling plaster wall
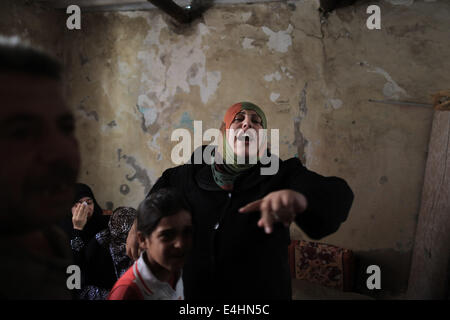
<point x="135" y="77"/>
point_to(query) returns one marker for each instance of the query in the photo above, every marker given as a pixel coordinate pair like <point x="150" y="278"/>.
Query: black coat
<point x="233" y="258"/>
<point x="100" y="270"/>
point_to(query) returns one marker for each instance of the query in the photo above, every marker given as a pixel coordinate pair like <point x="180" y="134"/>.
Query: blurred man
<point x="38" y="169"/>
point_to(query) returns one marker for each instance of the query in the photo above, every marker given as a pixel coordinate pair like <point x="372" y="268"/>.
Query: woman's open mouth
<point x="245" y="137"/>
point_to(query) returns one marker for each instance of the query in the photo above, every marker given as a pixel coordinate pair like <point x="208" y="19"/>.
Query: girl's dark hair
<point x="157" y="205"/>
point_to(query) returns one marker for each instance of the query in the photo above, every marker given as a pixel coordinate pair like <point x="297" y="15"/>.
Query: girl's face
<point x="245" y="140"/>
<point x="169" y="244"/>
<point x="90" y="205"/>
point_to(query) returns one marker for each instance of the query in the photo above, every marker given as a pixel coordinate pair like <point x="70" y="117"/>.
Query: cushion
<point x="320" y="263"/>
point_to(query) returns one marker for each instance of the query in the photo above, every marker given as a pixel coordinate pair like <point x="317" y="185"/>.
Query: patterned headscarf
<point x="225" y="174"/>
<point x="115" y="237"/>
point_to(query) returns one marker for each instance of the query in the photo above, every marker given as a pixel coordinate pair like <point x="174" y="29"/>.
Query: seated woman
<point x="164" y="230"/>
<point x="106" y="258"/>
<point x="84" y="222"/>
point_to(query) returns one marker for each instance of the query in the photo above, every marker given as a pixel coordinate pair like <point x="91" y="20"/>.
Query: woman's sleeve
<point x="165" y="181"/>
<point x="78" y="244"/>
<point x="329" y="201"/>
<point x="79" y="239"/>
<point x="93" y="293"/>
<point x="97" y="265"/>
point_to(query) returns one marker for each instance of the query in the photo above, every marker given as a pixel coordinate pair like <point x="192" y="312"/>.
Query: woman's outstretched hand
<point x="278" y="206"/>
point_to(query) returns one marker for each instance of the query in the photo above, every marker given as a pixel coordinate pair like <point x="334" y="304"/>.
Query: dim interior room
<point x="348" y="101"/>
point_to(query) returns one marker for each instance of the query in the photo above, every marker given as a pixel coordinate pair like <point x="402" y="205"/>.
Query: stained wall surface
<point x="135" y="77"/>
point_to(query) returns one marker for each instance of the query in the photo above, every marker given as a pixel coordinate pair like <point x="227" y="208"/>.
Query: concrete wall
<point x="134" y="77"/>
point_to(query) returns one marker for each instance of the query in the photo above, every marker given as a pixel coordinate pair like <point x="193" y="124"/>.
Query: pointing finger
<point x="266" y="217"/>
<point x="252" y="206"/>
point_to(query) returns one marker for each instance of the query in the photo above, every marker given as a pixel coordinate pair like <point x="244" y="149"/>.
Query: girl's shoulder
<point x="125" y="292"/>
<point x="126" y="288"/>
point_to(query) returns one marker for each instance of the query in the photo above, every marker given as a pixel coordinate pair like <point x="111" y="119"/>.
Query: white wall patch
<point x="274" y="96"/>
<point x="279" y="41"/>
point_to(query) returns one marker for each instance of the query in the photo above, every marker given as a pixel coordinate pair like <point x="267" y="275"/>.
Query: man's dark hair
<point x="157" y="205"/>
<point x="18" y="58"/>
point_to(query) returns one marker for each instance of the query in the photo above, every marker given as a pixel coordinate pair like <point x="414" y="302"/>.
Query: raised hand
<point x="80" y="215"/>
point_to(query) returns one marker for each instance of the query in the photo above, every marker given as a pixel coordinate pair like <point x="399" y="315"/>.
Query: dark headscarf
<point x="96" y="222"/>
<point x="81" y="191"/>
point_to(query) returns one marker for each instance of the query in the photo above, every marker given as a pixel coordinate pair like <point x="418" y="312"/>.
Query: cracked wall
<point x="134" y="77"/>
<point x="144" y="77"/>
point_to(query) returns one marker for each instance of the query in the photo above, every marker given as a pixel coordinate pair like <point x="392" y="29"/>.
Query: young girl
<point x="164" y="227"/>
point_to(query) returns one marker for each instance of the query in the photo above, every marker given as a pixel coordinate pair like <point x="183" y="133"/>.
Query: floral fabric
<point x="320" y="263"/>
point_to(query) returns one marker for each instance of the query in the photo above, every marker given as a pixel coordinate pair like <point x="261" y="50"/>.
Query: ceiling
<point x="130" y="4"/>
<point x="104" y="4"/>
<point x="183" y="11"/>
